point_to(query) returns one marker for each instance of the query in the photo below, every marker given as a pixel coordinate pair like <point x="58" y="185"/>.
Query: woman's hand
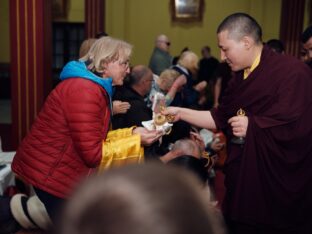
<point x="148" y="137"/>
<point x="120" y="107"/>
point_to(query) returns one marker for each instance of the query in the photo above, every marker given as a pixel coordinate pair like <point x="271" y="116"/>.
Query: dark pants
<point x="52" y="204"/>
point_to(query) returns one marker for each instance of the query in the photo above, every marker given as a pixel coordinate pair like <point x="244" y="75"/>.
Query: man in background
<point x="160" y="59"/>
<point x="207" y="65"/>
<point x="276" y="45"/>
<point x="306" y="39"/>
<point x="134" y="92"/>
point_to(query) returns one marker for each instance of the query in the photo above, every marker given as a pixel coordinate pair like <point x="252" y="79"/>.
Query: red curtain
<point x="292" y="25"/>
<point x="94" y="17"/>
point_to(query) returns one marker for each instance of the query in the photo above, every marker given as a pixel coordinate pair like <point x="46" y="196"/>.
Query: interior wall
<point x="75" y="11"/>
<point x="140" y="21"/>
<point x="307" y="14"/>
<point x="5" y="33"/>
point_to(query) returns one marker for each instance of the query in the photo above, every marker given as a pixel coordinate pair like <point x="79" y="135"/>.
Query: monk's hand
<point x="239" y="125"/>
<point x="171" y="113"/>
<point x="148" y="137"/>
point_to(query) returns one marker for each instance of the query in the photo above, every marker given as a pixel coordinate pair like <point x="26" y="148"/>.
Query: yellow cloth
<point x="121" y="147"/>
<point x="253" y="67"/>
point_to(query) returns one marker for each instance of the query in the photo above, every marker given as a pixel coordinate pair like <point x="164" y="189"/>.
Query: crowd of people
<point x="257" y="96"/>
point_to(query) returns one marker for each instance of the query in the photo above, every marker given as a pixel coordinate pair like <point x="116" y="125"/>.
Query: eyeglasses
<point x="168" y="43"/>
<point x="124" y="63"/>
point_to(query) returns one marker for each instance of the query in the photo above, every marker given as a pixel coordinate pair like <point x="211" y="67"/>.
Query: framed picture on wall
<point x="187" y="10"/>
<point x="59" y="9"/>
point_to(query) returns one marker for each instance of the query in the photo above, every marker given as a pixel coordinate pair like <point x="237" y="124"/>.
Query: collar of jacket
<point x="78" y="69"/>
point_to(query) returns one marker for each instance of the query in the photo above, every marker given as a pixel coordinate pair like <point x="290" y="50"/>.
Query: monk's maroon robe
<point x="269" y="178"/>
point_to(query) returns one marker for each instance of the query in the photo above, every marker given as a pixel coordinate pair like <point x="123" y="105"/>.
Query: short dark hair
<point x="276" y="45"/>
<point x="206" y="48"/>
<point x="101" y="34"/>
<point x="307" y="34"/>
<point x="239" y="25"/>
<point x="190" y="163"/>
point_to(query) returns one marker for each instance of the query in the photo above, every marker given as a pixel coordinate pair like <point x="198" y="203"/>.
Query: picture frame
<point x="187" y="10"/>
<point x="59" y="9"/>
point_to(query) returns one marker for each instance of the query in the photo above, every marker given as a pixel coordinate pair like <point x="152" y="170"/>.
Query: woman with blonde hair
<point x="64" y="144"/>
<point x="188" y="66"/>
<point x="189" y="60"/>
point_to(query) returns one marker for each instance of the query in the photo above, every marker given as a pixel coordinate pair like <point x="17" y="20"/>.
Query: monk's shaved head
<point x="239" y="25"/>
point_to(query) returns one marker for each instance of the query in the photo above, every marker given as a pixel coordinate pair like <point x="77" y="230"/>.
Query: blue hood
<point x="79" y="69"/>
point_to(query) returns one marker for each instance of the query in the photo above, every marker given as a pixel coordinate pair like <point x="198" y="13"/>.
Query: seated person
<point x="137" y="87"/>
<point x="168" y="83"/>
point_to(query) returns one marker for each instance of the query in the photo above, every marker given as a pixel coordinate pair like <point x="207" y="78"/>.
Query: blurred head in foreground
<point x="140" y="199"/>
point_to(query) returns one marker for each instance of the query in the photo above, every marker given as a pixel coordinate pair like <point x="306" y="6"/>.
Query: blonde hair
<point x="189" y="60"/>
<point x="104" y="50"/>
<point x="85" y="46"/>
<point x="166" y="79"/>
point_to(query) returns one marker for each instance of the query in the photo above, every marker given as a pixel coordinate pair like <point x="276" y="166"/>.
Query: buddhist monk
<point x="266" y="115"/>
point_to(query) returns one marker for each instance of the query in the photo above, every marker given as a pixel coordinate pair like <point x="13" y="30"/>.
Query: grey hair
<point x="186" y="146"/>
<point x="104" y="50"/>
<point x="239" y="25"/>
<point x="138" y="73"/>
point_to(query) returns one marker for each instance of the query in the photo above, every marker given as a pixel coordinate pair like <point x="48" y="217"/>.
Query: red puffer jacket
<point x="65" y="142"/>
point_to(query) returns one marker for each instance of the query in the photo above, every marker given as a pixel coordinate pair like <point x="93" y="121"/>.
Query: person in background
<point x="85" y="46"/>
<point x="168" y="83"/>
<point x="276" y="45"/>
<point x="306" y="39"/>
<point x="65" y="142"/>
<point x="160" y="58"/>
<point x="184" y="146"/>
<point x="134" y="92"/>
<point x="222" y="77"/>
<point x="207" y="65"/>
<point x="266" y="115"/>
<point x="139" y="199"/>
<point x="191" y="93"/>
<point x="101" y="34"/>
<point x="207" y="68"/>
<point x="176" y="58"/>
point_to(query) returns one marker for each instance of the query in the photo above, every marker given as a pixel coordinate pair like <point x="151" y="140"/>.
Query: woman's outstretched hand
<point x="148" y="137"/>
